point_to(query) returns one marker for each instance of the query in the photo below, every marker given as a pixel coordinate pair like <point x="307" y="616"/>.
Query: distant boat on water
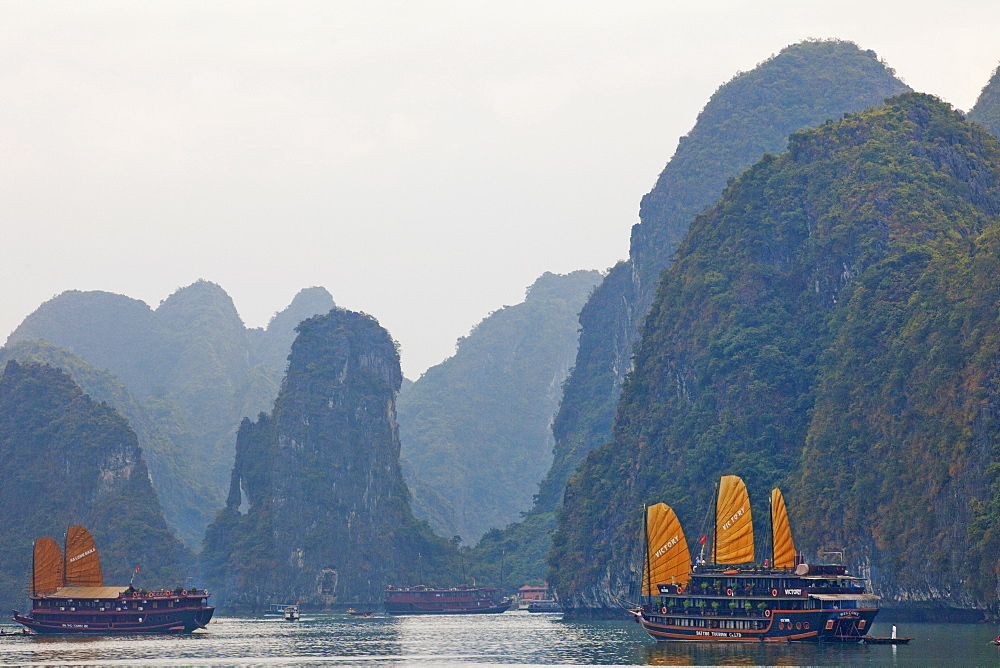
<point x="460" y="600"/>
<point x="731" y="599"/>
<point x="276" y="609"/>
<point x="544" y="605"/>
<point x="291" y="613"/>
<point x="537" y="599"/>
<point x="68" y="596"/>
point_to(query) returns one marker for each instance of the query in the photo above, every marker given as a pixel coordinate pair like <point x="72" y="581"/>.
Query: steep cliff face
<point x="317" y="508"/>
<point x="803" y="86"/>
<point x="476" y="428"/>
<point x="830" y="299"/>
<point x="195" y="370"/>
<point x="986" y="112"/>
<point x="176" y="484"/>
<point x="65" y="459"/>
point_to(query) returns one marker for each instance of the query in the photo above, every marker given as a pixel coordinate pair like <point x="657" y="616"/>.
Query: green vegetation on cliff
<point x="830" y="325"/>
<point x="66" y="459"/>
<point x="191" y="372"/>
<point x="475" y="429"/>
<point x="158" y="434"/>
<point x="803" y="86"/>
<point x="317" y="509"/>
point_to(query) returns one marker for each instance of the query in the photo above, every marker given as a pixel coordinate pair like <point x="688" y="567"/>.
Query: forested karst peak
<point x="326" y="510"/>
<point x="66" y="459"/>
<point x="803" y="86"/>
<point x="192" y="367"/>
<point x="820" y="330"/>
<point x="986" y="112"/>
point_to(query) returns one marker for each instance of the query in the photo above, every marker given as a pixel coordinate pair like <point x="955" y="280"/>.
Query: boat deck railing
<point x="165" y="593"/>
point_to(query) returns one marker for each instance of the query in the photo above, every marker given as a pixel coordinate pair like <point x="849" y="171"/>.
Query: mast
<point x="715" y="523"/>
<point x="645" y="533"/>
<point x="771" y="524"/>
<point x="64" y="551"/>
<point x="34" y="566"/>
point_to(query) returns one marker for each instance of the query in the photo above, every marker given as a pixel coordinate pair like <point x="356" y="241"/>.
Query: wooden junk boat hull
<point x="444" y="601"/>
<point x="83" y="612"/>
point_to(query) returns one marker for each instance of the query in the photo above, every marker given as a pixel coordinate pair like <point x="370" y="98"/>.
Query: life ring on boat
<point x="767" y="613"/>
<point x="715" y="623"/>
<point x="774" y="592"/>
<point x="729" y="592"/>
<point x="663" y="610"/>
<point x="680" y="589"/>
<point x="184" y="592"/>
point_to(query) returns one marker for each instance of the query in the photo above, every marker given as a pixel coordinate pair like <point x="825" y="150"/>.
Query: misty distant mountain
<point x="194" y="369"/>
<point x="476" y="429"/>
<point x="986" y="112"/>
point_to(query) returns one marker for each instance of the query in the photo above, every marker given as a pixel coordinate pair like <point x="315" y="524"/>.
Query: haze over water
<point x="510" y="638"/>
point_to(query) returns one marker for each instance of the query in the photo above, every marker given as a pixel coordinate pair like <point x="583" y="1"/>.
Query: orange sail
<point x="83" y="565"/>
<point x="733" y="523"/>
<point x="47" y="567"/>
<point x="781" y="532"/>
<point x="667" y="558"/>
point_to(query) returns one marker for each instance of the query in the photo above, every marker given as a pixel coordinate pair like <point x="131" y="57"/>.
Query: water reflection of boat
<point x="732" y="599"/>
<point x="68" y="596"/>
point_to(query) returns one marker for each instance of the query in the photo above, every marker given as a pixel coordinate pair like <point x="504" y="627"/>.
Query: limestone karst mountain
<point x="67" y="459"/>
<point x="317" y="509"/>
<point x="476" y="428"/>
<point x="803" y="86"/>
<point x="194" y="369"/>
<point x="829" y="326"/>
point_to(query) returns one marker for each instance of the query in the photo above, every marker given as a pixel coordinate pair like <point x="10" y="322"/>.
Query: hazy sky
<point x="424" y="161"/>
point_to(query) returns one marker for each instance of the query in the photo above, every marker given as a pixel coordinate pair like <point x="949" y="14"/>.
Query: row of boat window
<point x="736" y="624"/>
<point x="96" y="605"/>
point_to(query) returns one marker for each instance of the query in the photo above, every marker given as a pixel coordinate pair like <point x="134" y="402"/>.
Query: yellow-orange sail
<point x="733" y="523"/>
<point x="47" y="567"/>
<point x="667" y="558"/>
<point x="83" y="566"/>
<point x="781" y="532"/>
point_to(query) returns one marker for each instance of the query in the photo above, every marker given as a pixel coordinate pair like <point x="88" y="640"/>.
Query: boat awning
<point x="86" y="592"/>
<point x="845" y="597"/>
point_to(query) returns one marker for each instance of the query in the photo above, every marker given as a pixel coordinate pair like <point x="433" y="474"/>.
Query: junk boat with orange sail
<point x="730" y="599"/>
<point x="68" y="596"/>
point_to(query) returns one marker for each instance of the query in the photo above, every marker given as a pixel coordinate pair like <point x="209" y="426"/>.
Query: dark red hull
<point x="450" y="601"/>
<point x="126" y="615"/>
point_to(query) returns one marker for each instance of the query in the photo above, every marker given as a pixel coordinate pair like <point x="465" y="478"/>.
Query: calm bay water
<point x="511" y="638"/>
